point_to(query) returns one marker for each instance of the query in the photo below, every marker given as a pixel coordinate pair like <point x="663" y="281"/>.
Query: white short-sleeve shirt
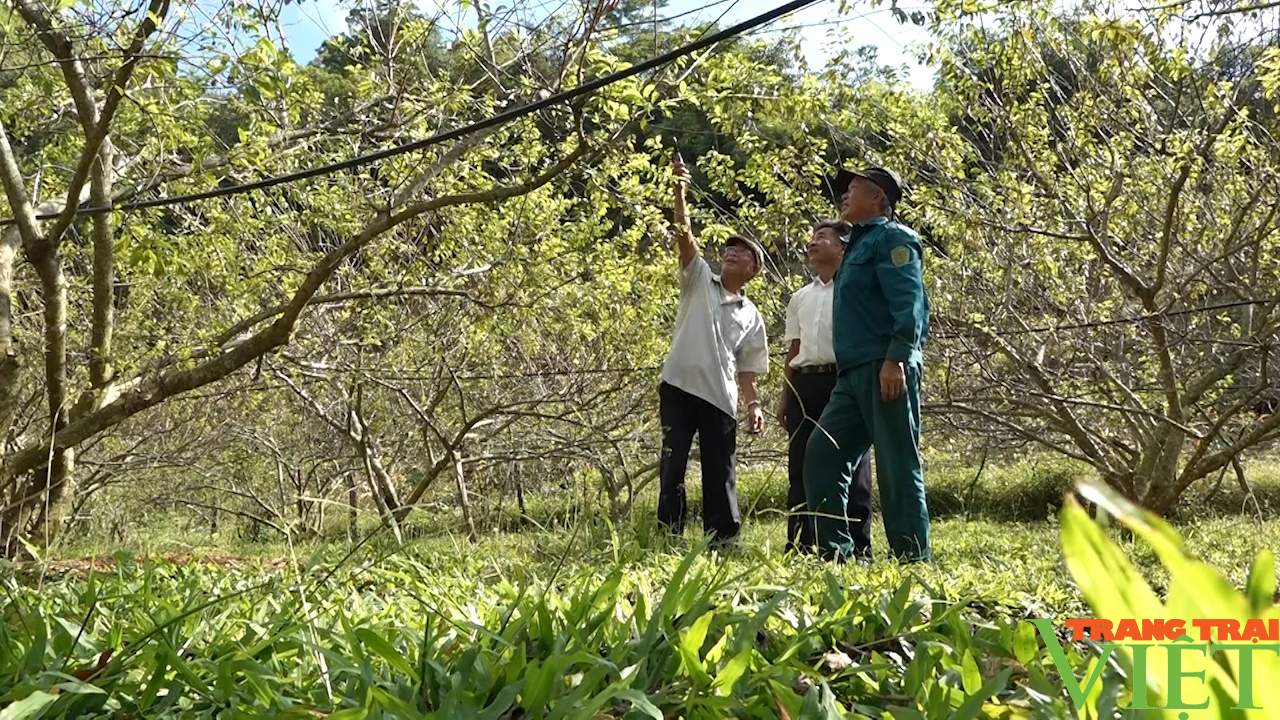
<point x="809" y="321"/>
<point x="717" y="336"/>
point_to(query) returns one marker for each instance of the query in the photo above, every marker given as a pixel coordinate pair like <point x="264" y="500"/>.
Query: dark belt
<point x="815" y="369"/>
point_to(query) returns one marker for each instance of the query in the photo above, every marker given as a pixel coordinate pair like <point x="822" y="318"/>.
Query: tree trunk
<point x="301" y="506"/>
<point x="10" y="363"/>
<point x="379" y="488"/>
<point x="100" y="370"/>
<point x="49" y="484"/>
<point x="460" y="479"/>
<point x="54" y="511"/>
<point x="353" y="515"/>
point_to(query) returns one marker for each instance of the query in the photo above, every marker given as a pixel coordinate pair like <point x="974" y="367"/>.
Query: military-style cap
<point x="757" y="250"/>
<point x="886" y="179"/>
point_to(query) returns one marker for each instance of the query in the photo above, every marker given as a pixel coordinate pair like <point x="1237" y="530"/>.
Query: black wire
<point x="454" y="134"/>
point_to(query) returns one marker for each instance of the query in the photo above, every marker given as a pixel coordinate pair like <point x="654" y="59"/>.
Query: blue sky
<point x="307" y="23"/>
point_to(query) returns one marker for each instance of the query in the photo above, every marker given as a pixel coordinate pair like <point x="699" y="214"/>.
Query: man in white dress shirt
<point x="810" y="377"/>
<point x="717" y="351"/>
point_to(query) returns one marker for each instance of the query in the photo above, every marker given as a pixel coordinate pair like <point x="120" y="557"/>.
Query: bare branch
<point x="15" y="190"/>
<point x="335" y="298"/>
<point x="97" y="125"/>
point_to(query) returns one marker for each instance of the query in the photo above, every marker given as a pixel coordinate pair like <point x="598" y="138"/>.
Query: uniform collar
<point x="817" y="282"/>
<point x="862" y="228"/>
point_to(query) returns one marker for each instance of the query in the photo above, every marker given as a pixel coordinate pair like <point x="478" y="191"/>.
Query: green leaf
<point x="917" y="672"/>
<point x="820" y="704"/>
<point x="691" y="647"/>
<point x="1024" y="643"/>
<point x="76" y="687"/>
<point x="973" y="705"/>
<point x="502" y="703"/>
<point x="28" y="708"/>
<point x="1161" y="534"/>
<point x="350" y="714"/>
<point x="970" y="674"/>
<point x="641" y="703"/>
<point x="375" y="642"/>
<point x="732" y="672"/>
<point x="1262" y="580"/>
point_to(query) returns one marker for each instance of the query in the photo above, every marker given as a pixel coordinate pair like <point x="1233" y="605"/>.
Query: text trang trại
<point x="1185" y="683"/>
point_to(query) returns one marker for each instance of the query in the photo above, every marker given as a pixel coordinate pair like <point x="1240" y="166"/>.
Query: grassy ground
<point x="586" y="621"/>
<point x="572" y="617"/>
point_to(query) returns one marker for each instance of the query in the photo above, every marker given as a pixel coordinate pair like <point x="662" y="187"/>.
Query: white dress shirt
<point x="809" y="321"/>
<point x="717" y="336"/>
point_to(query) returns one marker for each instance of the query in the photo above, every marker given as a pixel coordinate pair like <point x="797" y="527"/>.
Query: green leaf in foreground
<point x="1024" y="643"/>
<point x="641" y="703"/>
<point x="1197" y="590"/>
<point x="28" y="708"/>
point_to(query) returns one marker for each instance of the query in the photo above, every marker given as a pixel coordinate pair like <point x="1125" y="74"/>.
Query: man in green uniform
<point x="880" y="320"/>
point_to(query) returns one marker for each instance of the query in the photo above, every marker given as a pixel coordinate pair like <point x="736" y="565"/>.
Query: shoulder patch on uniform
<point x="901" y="255"/>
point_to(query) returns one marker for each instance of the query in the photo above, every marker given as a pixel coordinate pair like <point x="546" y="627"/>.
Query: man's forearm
<point x="683" y="228"/>
<point x="747" y="386"/>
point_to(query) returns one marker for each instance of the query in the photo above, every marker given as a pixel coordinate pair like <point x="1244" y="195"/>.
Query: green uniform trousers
<point x="856" y="418"/>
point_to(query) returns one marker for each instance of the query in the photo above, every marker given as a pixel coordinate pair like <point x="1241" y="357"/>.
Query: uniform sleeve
<point x="753" y="355"/>
<point x="899" y="267"/>
<point x="793" y="317"/>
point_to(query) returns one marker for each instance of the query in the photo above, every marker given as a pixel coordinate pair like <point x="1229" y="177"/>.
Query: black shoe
<point x="858" y="558"/>
<point x="795" y="548"/>
<point x="724" y="543"/>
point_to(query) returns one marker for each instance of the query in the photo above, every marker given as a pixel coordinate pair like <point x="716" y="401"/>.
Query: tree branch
<point x="1239" y="10"/>
<point x="1071" y="425"/>
<point x="1006" y="423"/>
<point x="16" y="192"/>
<point x="146" y="394"/>
<point x="59" y="45"/>
<point x="1175" y="192"/>
<point x="100" y="372"/>
<point x="1262" y="431"/>
<point x="101" y="124"/>
<point x="372" y="294"/>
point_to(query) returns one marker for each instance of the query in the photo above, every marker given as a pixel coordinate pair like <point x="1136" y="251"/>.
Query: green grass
<point x="569" y="616"/>
<point x="1025" y="489"/>
<point x="587" y="621"/>
<point x="1031" y="489"/>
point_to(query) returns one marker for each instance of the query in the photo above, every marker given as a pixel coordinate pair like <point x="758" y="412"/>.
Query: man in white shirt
<point x="717" y="351"/>
<point x="810" y="377"/>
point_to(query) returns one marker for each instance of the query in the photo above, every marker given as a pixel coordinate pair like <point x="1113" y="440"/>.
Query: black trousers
<point x="806" y="399"/>
<point x="682" y="416"/>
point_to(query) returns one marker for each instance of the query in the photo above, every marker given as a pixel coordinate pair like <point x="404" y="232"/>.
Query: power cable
<point x="454" y="134"/>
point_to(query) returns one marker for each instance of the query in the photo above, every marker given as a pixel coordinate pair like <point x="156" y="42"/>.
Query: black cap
<point x="757" y="250"/>
<point x="886" y="179"/>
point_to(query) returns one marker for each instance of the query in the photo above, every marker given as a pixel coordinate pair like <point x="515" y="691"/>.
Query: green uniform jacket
<point x="880" y="308"/>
